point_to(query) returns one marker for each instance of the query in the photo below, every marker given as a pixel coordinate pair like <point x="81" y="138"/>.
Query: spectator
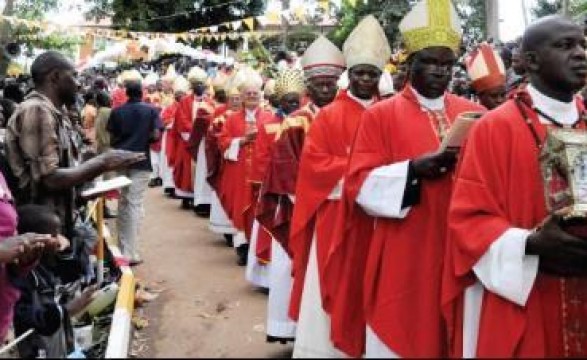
<point x="44" y="305"/>
<point x="104" y="108"/>
<point x="133" y="127"/>
<point x="39" y="143"/>
<point x="16" y="255"/>
<point x="89" y="114"/>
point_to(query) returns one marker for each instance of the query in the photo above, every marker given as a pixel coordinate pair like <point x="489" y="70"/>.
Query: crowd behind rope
<point x="325" y="178"/>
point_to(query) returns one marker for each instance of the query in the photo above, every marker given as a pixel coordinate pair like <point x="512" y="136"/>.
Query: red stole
<point x="275" y="209"/>
<point x="392" y="268"/>
<point x="322" y="165"/>
<point x="168" y="115"/>
<point x="498" y="187"/>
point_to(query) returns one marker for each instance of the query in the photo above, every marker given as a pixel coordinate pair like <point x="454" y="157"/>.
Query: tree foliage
<point x="543" y="8"/>
<point x="473" y="15"/>
<point x="388" y="12"/>
<point x="172" y="16"/>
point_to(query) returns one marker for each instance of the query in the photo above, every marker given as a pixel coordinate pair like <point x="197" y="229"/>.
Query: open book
<point x="459" y="130"/>
<point x="103" y="187"/>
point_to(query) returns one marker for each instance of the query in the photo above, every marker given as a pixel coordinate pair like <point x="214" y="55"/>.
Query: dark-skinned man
<point x="488" y="75"/>
<point x="321" y="175"/>
<point x="289" y="89"/>
<point x="514" y="281"/>
<point x="39" y="142"/>
<point x="323" y="63"/>
<point x="396" y="196"/>
<point x="189" y="131"/>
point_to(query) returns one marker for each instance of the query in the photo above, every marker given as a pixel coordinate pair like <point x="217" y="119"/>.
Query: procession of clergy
<point x="372" y="239"/>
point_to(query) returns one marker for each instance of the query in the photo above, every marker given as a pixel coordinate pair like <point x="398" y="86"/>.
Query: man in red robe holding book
<point x="514" y="281"/>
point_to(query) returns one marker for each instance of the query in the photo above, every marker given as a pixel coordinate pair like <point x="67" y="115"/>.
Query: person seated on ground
<point x="45" y="305"/>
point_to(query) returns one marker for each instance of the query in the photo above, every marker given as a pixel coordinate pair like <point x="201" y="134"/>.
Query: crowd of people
<point x="330" y="180"/>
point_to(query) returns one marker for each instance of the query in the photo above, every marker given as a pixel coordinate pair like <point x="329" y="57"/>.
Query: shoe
<point x="152" y="183"/>
<point x="243" y="253"/>
<point x="283" y="341"/>
<point x="228" y="239"/>
<point x="202" y="210"/>
<point x="170" y="192"/>
<point x="187" y="204"/>
<point x="159" y="182"/>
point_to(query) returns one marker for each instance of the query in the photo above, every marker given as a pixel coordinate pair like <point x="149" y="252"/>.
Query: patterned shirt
<point x="38" y="142"/>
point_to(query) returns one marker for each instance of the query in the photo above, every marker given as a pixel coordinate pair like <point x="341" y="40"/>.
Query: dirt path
<point x="207" y="308"/>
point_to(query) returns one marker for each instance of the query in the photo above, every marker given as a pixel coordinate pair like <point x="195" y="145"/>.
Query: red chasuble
<point x="391" y="268"/>
<point x="275" y="209"/>
<point x="184" y="124"/>
<point x="322" y="165"/>
<point x="499" y="185"/>
<point x="238" y="176"/>
<point x="214" y="158"/>
<point x="168" y="116"/>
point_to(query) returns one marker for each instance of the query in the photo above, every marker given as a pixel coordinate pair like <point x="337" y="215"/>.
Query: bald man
<point x="514" y="282"/>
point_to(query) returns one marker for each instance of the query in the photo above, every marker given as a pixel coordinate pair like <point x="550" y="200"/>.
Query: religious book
<point x="103" y="187"/>
<point x="459" y="130"/>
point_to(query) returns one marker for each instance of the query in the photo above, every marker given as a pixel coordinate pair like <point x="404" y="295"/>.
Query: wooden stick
<point x="16" y="341"/>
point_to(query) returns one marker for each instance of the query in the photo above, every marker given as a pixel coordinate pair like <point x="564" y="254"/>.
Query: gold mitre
<point x="367" y="44"/>
<point x="289" y="81"/>
<point x="431" y="23"/>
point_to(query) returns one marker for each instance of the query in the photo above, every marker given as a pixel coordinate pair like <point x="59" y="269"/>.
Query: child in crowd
<point x="46" y="305"/>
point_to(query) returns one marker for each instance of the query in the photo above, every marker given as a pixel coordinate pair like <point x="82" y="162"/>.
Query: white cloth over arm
<point x="383" y="191"/>
<point x="506" y="270"/>
<point x="232" y="152"/>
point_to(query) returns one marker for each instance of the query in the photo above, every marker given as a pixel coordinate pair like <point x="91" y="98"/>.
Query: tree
<point x="473" y="14"/>
<point x="546" y="7"/>
<point x="172" y="16"/>
<point x="388" y="12"/>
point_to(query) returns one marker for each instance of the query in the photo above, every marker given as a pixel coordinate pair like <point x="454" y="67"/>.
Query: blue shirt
<point x="132" y="127"/>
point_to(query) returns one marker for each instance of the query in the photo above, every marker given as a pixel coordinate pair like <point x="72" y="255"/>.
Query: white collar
<point x="564" y="113"/>
<point x="429" y="104"/>
<point x="250" y="115"/>
<point x="362" y="102"/>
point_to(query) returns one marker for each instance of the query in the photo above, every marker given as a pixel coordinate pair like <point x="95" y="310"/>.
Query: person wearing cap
<point x="322" y="63"/>
<point x="185" y="127"/>
<point x="238" y="143"/>
<point x="289" y="89"/>
<point x="167" y="91"/>
<point x="514" y="283"/>
<point x="271" y="102"/>
<point x="168" y="146"/>
<point x="119" y="96"/>
<point x="321" y="175"/>
<point x="152" y="95"/>
<point x="389" y="245"/>
<point x="488" y="76"/>
<point x="219" y="221"/>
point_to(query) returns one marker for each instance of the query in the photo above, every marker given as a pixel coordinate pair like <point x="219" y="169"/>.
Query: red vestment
<point x="275" y="208"/>
<point x="183" y="127"/>
<point x="238" y="177"/>
<point x="322" y="165"/>
<point x="499" y="186"/>
<point x="389" y="270"/>
<point x="214" y="158"/>
<point x="168" y="116"/>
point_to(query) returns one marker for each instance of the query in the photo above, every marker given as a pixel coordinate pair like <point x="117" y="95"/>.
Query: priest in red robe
<point x="319" y="184"/>
<point x="515" y="276"/>
<point x="180" y="89"/>
<point x="183" y="126"/>
<point x="219" y="221"/>
<point x="388" y="261"/>
<point x="241" y="141"/>
<point x="488" y="74"/>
